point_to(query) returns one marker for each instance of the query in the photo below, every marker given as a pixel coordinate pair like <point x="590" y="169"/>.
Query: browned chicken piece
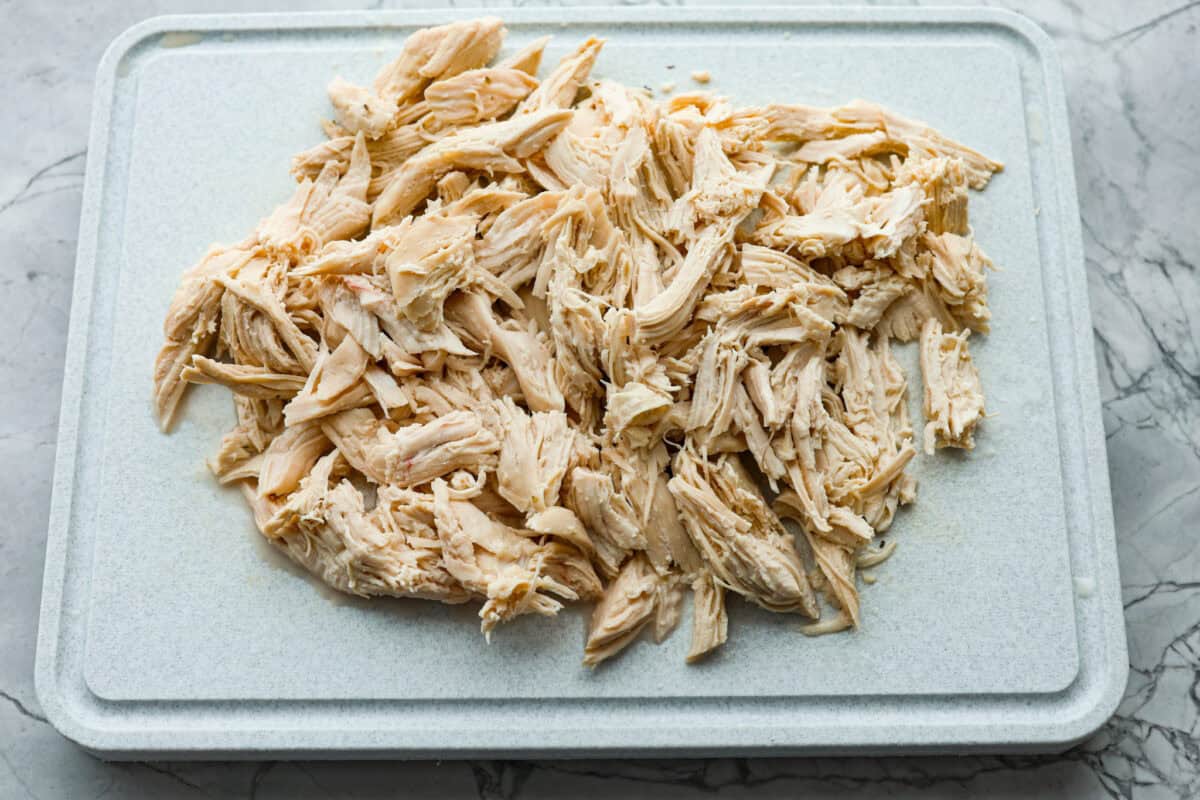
<point x="626" y="608"/>
<point x="710" y="624"/>
<point x="412" y="454"/>
<point x="533" y="343"/>
<point x="432" y="54"/>
<point x="953" y="393"/>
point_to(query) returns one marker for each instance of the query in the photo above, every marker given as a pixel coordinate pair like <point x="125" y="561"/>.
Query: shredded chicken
<point x="525" y="342"/>
<point x="953" y="394"/>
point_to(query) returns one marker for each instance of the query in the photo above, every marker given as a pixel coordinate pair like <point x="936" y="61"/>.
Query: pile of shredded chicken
<point x="525" y="342"/>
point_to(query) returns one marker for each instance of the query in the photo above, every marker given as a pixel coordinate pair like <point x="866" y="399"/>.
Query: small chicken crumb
<point x="668" y="87"/>
<point x="701" y="76"/>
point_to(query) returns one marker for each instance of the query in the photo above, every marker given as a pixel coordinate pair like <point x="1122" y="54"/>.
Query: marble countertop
<point x="1131" y="72"/>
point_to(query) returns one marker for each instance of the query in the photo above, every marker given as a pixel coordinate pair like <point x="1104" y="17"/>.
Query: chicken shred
<point x="526" y="342"/>
<point x="953" y="394"/>
<point x="710" y="625"/>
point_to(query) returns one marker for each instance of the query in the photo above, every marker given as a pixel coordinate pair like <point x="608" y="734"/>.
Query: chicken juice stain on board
<point x="172" y="39"/>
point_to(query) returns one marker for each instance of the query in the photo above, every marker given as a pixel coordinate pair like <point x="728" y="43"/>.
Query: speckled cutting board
<point x="170" y="628"/>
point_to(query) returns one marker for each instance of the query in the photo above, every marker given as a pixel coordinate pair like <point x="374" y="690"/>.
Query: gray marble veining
<point x="1131" y="80"/>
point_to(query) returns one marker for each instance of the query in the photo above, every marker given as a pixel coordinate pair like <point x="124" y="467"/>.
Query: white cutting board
<point x="170" y="627"/>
